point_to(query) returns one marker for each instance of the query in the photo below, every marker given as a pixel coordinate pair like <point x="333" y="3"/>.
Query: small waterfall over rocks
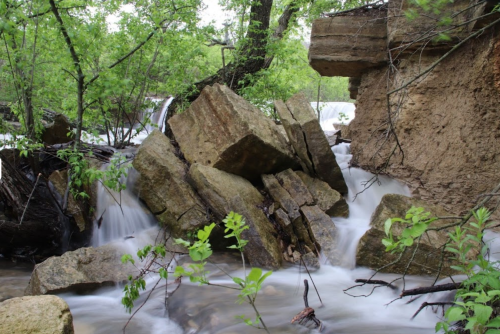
<point x="208" y="309"/>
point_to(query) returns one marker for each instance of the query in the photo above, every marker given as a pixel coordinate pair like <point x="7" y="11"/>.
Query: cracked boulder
<point x="224" y="193"/>
<point x="305" y="228"/>
<point x="163" y="187"/>
<point x="309" y="141"/>
<point x="222" y="130"/>
<point x="327" y="199"/>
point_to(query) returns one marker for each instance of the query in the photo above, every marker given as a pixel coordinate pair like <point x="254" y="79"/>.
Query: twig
<point x="308" y="273"/>
<point x="425" y="304"/>
<point x="29" y="198"/>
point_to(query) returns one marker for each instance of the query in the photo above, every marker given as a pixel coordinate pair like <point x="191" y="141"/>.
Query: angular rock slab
<point x="371" y="253"/>
<point x="294" y="185"/>
<point x="222" y="130"/>
<point x="309" y="141"/>
<point x="348" y="46"/>
<point x="163" y="186"/>
<point x="329" y="200"/>
<point x="226" y="192"/>
<point x="79" y="270"/>
<point x="324" y="232"/>
<point x="35" y="314"/>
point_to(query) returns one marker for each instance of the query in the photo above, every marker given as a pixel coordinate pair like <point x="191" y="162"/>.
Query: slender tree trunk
<point x="250" y="58"/>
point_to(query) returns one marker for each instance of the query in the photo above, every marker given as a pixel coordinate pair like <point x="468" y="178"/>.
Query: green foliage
<point x="414" y="224"/>
<point x="199" y="251"/>
<point x="82" y="174"/>
<point x="477" y="302"/>
<point x="478" y="299"/>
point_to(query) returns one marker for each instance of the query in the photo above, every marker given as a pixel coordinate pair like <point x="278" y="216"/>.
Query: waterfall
<point x="157" y="118"/>
<point x="120" y="216"/>
<point x="334" y="113"/>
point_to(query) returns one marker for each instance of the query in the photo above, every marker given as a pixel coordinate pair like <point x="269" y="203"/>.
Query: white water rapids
<point x="209" y="309"/>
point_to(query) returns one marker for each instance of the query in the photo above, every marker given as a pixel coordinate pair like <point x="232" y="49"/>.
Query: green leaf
<point x="455" y="314"/>
<point x="254" y="275"/>
<point x="494" y="322"/>
<point x="387" y="226"/>
<point x="482" y="313"/>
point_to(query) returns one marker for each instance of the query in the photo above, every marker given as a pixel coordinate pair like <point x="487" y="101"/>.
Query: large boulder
<point x="426" y="259"/>
<point x="35" y="315"/>
<point x="163" y="186"/>
<point x="222" y="130"/>
<point x="323" y="230"/>
<point x="304" y="224"/>
<point x="348" y="45"/>
<point x="226" y="192"/>
<point x="57" y="132"/>
<point x="309" y="141"/>
<point x="80" y="270"/>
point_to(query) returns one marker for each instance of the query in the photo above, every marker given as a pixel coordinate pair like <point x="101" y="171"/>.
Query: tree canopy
<point x="96" y="61"/>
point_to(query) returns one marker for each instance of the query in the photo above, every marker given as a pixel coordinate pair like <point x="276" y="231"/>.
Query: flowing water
<point x="209" y="309"/>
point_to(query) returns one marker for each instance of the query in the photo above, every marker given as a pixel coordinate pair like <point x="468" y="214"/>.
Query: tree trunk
<point x="250" y="58"/>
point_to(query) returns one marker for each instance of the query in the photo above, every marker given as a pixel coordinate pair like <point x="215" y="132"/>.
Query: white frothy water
<point x="120" y="215"/>
<point x="362" y="201"/>
<point x="335" y="113"/>
<point x="209" y="309"/>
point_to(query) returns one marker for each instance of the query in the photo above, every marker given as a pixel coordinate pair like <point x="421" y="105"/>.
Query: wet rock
<point x="37" y="314"/>
<point x="222" y="130"/>
<point x="349" y="45"/>
<point x="284" y="221"/>
<point x="226" y="192"/>
<point x="163" y="186"/>
<point x="328" y="200"/>
<point x="309" y="141"/>
<point x="323" y="231"/>
<point x="80" y="270"/>
<point x="371" y="253"/>
<point x="57" y="132"/>
<point x="294" y="185"/>
<point x="281" y="196"/>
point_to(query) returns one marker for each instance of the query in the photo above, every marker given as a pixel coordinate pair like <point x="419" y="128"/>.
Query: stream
<point x="211" y="309"/>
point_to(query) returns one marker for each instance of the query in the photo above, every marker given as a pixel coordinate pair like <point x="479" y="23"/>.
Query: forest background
<point x="96" y="61"/>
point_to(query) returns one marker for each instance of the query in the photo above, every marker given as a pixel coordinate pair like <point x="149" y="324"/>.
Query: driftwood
<point x="376" y="282"/>
<point x="431" y="289"/>
<point x="307" y="314"/>
<point x="31" y="221"/>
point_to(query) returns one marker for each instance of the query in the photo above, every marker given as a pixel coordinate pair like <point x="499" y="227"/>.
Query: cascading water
<point x="209" y="309"/>
<point x="334" y="113"/>
<point x="213" y="310"/>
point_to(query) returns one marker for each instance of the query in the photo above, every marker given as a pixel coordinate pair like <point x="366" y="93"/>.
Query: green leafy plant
<point x="477" y="303"/>
<point x="414" y="224"/>
<point x="199" y="251"/>
<point x="82" y="174"/>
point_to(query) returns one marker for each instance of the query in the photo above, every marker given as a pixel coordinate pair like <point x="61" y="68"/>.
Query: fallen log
<point x="31" y="222"/>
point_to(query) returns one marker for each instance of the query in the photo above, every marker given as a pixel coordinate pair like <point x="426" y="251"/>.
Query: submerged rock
<point x="426" y="259"/>
<point x="35" y="314"/>
<point x="226" y="192"/>
<point x="80" y="270"/>
<point x="309" y="141"/>
<point x="222" y="130"/>
<point x="162" y="185"/>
